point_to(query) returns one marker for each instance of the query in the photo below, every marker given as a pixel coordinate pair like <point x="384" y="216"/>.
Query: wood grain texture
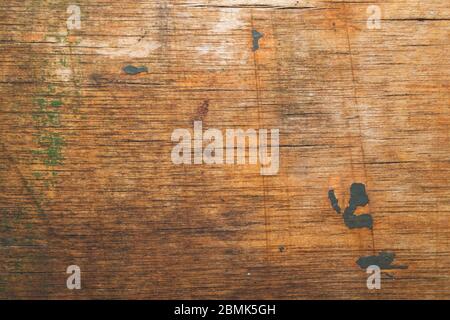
<point x="86" y="176"/>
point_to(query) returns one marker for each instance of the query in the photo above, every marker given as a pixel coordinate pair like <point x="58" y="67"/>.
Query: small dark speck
<point x="281" y="248"/>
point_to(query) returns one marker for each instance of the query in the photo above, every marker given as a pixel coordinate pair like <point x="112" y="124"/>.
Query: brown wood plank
<point x="86" y="176"/>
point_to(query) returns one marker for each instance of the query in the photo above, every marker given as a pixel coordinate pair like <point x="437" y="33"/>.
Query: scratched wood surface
<point x="86" y="176"/>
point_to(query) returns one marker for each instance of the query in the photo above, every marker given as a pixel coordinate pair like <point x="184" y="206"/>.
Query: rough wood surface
<point x="86" y="176"/>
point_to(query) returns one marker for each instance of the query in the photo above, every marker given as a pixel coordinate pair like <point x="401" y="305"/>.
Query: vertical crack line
<point x="355" y="99"/>
<point x="288" y="194"/>
<point x="266" y="218"/>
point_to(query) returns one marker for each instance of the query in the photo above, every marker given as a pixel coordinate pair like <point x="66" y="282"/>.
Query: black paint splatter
<point x="334" y="201"/>
<point x="134" y="70"/>
<point x="358" y="198"/>
<point x="383" y="260"/>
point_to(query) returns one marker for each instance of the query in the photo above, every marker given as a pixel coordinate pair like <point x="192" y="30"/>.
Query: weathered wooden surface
<point x="86" y="176"/>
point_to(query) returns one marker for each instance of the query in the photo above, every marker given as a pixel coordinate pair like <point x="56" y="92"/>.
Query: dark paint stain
<point x="383" y="260"/>
<point x="256" y="36"/>
<point x="98" y="79"/>
<point x="134" y="70"/>
<point x="358" y="198"/>
<point x="202" y="111"/>
<point x="358" y="195"/>
<point x="334" y="201"/>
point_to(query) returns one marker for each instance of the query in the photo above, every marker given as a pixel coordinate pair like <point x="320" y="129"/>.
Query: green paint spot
<point x="53" y="118"/>
<point x="41" y="102"/>
<point x="63" y="61"/>
<point x="56" y="103"/>
<point x="37" y="174"/>
<point x="53" y="143"/>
